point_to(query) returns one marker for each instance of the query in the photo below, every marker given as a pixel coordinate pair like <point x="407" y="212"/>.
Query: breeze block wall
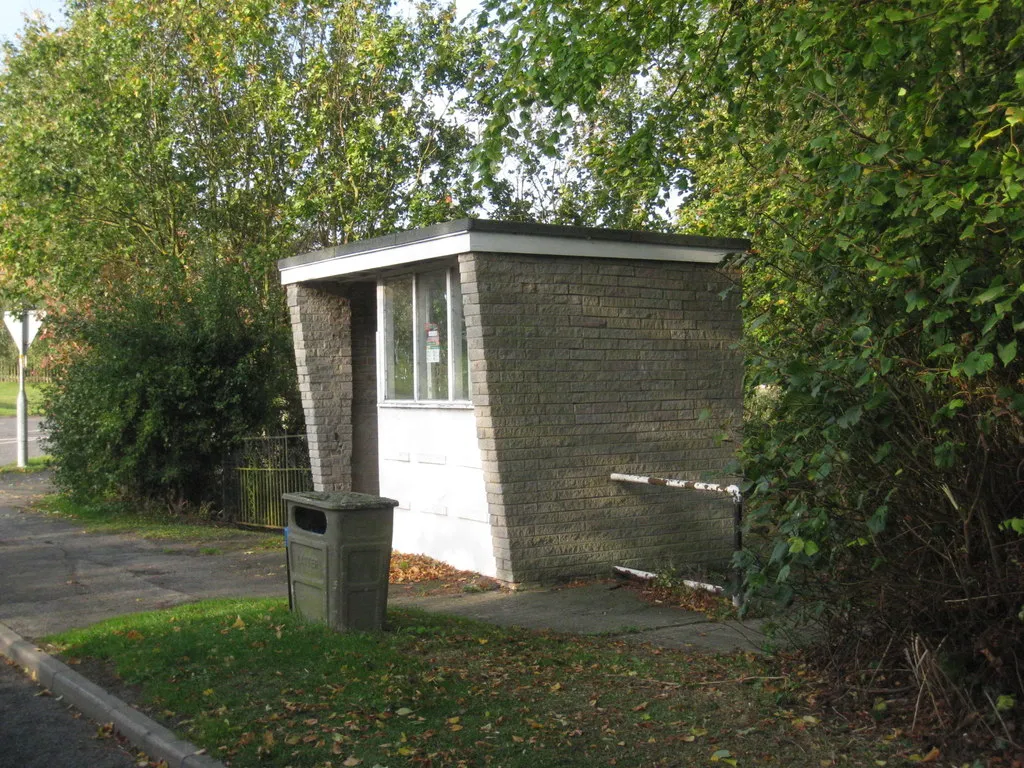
<point x="321" y="320"/>
<point x="584" y="367"/>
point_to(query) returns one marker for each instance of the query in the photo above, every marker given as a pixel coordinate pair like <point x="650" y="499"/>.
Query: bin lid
<point x="339" y="501"/>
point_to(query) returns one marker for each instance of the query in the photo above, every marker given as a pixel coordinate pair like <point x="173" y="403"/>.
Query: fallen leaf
<point x="933" y="754"/>
<point x="351" y="761"/>
<point x="239" y="624"/>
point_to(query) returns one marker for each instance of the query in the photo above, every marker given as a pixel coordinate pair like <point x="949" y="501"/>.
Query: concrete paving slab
<point x="597" y="608"/>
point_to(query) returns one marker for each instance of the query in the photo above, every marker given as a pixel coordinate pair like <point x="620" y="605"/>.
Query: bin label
<point x="308" y="561"/>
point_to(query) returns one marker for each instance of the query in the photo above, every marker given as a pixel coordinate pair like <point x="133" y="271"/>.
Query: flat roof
<point x="486" y="236"/>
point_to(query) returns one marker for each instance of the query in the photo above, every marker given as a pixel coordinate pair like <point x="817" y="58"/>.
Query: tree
<point x="150" y="152"/>
<point x="145" y="401"/>
<point x="871" y="151"/>
<point x="145" y="133"/>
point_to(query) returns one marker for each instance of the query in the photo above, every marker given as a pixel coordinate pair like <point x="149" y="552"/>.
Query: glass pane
<point x="460" y="348"/>
<point x="432" y="334"/>
<point x="398" y="339"/>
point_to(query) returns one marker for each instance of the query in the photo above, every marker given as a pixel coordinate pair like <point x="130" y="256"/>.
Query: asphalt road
<point x="9" y="439"/>
<point x="38" y="731"/>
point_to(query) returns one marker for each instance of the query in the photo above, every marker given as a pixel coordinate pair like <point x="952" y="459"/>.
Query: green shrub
<point x="150" y="392"/>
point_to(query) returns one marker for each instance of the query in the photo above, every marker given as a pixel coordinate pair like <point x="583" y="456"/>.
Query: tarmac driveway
<point x="54" y="577"/>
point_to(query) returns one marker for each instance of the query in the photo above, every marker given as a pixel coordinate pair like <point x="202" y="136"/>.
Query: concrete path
<point x="55" y="577"/>
<point x="602" y="608"/>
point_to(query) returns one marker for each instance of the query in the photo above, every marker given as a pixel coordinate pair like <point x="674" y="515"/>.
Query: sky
<point x="12" y="14"/>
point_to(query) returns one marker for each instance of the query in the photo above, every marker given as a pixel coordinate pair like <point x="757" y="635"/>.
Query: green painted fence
<point x="259" y="473"/>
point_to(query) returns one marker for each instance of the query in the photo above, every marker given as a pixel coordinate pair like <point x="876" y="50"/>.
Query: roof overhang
<point x="485" y="236"/>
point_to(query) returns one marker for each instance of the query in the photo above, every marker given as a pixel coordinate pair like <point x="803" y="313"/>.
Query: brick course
<point x="322" y="333"/>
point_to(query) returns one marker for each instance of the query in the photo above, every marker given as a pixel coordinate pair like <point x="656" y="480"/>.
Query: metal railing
<point x="259" y="473"/>
<point x="733" y="491"/>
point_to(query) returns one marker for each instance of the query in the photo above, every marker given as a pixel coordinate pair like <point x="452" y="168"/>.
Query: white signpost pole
<point x="23" y="329"/>
<point x="22" y="397"/>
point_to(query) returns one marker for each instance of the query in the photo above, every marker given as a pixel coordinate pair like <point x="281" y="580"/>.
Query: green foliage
<point x="150" y="392"/>
<point x="872" y="153"/>
<point x="144" y="133"/>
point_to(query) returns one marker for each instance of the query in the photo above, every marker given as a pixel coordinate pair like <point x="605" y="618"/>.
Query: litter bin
<point x="339" y="554"/>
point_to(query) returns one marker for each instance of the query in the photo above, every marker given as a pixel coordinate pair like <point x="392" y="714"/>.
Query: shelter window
<point x="424" y="350"/>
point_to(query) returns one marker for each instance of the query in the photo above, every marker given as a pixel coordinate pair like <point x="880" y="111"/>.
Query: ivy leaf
<point x="977" y="363"/>
<point x="1007" y="352"/>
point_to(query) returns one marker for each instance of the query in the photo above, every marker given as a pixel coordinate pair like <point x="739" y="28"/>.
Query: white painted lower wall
<point x="430" y="463"/>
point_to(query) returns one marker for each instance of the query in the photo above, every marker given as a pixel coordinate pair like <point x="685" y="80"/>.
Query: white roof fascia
<point x="494" y="242"/>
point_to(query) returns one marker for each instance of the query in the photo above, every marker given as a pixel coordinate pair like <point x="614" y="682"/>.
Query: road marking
<point x="11" y="440"/>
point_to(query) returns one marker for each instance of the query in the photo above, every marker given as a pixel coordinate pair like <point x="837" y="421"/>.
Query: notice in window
<point x="433" y="343"/>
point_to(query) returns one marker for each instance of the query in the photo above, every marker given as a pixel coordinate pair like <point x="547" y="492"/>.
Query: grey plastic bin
<point x="339" y="554"/>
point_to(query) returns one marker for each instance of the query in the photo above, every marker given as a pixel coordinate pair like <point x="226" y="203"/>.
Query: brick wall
<point x="583" y="367"/>
<point x="322" y="336"/>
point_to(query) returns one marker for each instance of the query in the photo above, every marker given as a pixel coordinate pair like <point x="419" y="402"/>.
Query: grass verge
<point x="151" y="523"/>
<point x="35" y="464"/>
<point x="9" y="399"/>
<point x="256" y="686"/>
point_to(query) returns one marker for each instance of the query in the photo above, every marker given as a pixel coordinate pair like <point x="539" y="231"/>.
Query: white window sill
<point x="458" y="405"/>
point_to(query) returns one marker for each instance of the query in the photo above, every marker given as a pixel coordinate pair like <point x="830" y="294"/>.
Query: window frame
<point x="454" y="324"/>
